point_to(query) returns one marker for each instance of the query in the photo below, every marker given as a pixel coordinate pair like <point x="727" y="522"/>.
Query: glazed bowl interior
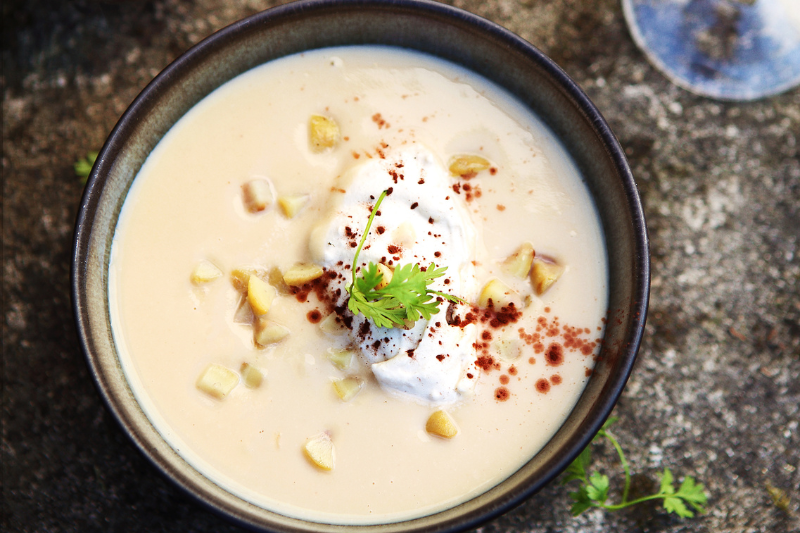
<point x="436" y="29"/>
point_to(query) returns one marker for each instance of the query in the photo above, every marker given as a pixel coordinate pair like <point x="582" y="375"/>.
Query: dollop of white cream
<point x="421" y="221"/>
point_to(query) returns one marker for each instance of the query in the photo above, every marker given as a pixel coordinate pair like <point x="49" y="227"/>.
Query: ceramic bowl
<point x="436" y="29"/>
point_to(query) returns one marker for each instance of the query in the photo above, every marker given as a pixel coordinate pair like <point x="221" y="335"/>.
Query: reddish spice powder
<point x="554" y="355"/>
<point x="543" y="386"/>
<point x="486" y="363"/>
<point x="504" y="379"/>
<point x="512" y="370"/>
<point x="314" y="316"/>
<point x="555" y="379"/>
<point x="501" y="394"/>
<point x="301" y="292"/>
<point x="378" y="119"/>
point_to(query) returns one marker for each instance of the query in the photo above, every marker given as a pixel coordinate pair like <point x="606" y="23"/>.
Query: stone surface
<point x="716" y="390"/>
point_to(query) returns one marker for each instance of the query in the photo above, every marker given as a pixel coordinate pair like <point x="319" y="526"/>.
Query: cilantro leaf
<point x="609" y="422"/>
<point x="666" y="482"/>
<point x="577" y="468"/>
<point x="370" y="278"/>
<point x="598" y="490"/>
<point x="690" y="497"/>
<point x="582" y="501"/>
<point x="83" y="167"/>
<point x="694" y="493"/>
<point x="689" y="492"/>
<point x="405" y="298"/>
<point x="675" y="505"/>
<point x="383" y="313"/>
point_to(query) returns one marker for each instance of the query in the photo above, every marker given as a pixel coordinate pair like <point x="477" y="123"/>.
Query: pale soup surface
<point x="186" y="206"/>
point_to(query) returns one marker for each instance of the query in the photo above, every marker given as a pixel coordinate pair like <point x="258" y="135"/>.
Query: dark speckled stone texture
<point x="717" y="387"/>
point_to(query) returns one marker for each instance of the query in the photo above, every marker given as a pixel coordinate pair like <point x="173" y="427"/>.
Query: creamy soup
<point x="505" y="377"/>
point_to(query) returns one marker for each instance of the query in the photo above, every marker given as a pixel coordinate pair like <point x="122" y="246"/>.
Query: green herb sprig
<point x="406" y="297"/>
<point x="594" y="488"/>
<point x="83" y="167"/>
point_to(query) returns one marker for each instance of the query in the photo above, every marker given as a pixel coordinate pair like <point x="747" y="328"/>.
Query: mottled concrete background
<point x="715" y="392"/>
